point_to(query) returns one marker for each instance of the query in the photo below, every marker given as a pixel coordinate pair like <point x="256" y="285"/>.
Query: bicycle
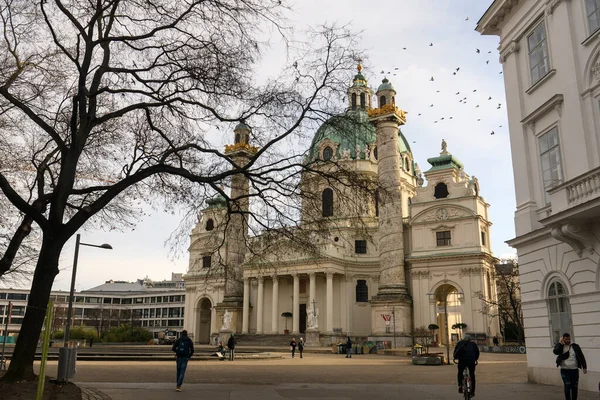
<point x="466" y="381"/>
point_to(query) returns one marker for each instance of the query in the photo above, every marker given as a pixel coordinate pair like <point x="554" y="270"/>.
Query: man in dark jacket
<point x="184" y="349"/>
<point x="231" y="344"/>
<point x="467" y="354"/>
<point x="569" y="358"/>
<point x="348" y="347"/>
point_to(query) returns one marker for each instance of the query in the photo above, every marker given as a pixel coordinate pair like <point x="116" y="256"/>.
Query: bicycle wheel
<point x="466" y="384"/>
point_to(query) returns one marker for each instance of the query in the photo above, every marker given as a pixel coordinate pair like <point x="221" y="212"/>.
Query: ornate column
<point x="259" y="305"/>
<point x="275" y="309"/>
<point x="296" y="310"/>
<point x="312" y="289"/>
<point x="246" y="306"/>
<point x="329" y="323"/>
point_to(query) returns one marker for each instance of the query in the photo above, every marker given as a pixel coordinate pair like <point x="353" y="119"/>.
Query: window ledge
<point x="591" y="38"/>
<point x="540" y="81"/>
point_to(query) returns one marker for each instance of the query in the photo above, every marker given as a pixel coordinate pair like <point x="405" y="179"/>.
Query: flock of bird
<point x="463" y="98"/>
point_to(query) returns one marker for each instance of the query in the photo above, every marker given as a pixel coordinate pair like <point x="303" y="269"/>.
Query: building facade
<point x="156" y="306"/>
<point x="550" y="52"/>
<point x="385" y="261"/>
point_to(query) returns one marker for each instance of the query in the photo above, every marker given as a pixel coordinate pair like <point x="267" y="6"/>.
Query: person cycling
<point x="467" y="354"/>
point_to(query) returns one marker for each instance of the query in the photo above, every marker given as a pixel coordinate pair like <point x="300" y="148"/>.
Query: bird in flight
<point x="477" y="51"/>
<point x="489" y="98"/>
<point x="431" y="105"/>
<point x="432" y="79"/>
<point x="466" y="19"/>
<point x="457" y="93"/>
<point x="430" y="44"/>
<point x="492" y="133"/>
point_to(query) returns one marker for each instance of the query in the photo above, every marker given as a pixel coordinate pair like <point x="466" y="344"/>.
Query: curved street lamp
<point x="70" y="309"/>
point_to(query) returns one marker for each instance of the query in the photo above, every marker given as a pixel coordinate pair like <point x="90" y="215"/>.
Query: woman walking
<point x="293" y="346"/>
<point x="301" y="346"/>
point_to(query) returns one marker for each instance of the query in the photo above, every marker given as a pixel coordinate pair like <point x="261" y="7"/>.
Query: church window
<point x="210" y="225"/>
<point x="443" y="238"/>
<point x="362" y="100"/>
<point x="302" y="286"/>
<point x="360" y="246"/>
<point x="550" y="160"/>
<point x="354" y="101"/>
<point x="237" y="137"/>
<point x="327" y="198"/>
<point x="593" y="15"/>
<point x="362" y="291"/>
<point x="375" y="152"/>
<point x="327" y="153"/>
<point x="407" y="165"/>
<point x="376" y="196"/>
<point x="559" y="309"/>
<point x="441" y="191"/>
<point x="206" y="261"/>
<point x="483" y="238"/>
<point x="382" y="101"/>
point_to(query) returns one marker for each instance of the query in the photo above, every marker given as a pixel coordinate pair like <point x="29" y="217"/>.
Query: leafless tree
<point x="508" y="305"/>
<point x="108" y="105"/>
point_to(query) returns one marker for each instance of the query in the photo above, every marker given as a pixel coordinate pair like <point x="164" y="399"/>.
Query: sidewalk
<point x="299" y="391"/>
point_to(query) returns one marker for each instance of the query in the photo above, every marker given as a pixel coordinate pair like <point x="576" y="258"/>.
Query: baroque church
<point x="421" y="255"/>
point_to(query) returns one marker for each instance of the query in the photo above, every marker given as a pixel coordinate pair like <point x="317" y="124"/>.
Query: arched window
<point x="406" y="165"/>
<point x="327" y="198"/>
<point x="327" y="153"/>
<point x="376" y="196"/>
<point x="375" y="152"/>
<point x="210" y="225"/>
<point x="393" y="100"/>
<point x="206" y="261"/>
<point x="362" y="101"/>
<point x="382" y="101"/>
<point x="237" y="137"/>
<point x="441" y="191"/>
<point x="559" y="310"/>
<point x="362" y="291"/>
<point x="354" y="101"/>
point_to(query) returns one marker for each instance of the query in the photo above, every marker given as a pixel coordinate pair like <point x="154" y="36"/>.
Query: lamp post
<point x="445" y="293"/>
<point x="74" y="274"/>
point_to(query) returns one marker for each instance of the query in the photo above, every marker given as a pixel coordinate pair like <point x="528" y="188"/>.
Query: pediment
<point x="437" y="214"/>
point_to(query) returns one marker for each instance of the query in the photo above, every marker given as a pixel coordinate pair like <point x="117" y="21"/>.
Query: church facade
<point x="413" y="252"/>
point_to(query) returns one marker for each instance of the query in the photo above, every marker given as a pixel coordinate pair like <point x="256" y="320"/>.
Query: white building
<point x="550" y="51"/>
<point x="384" y="261"/>
<point x="155" y="306"/>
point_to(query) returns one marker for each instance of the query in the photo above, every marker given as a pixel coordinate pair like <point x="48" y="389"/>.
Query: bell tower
<point x="392" y="298"/>
<point x="360" y="94"/>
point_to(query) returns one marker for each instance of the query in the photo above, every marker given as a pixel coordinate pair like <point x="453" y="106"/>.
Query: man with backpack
<point x="231" y="345"/>
<point x="467" y="354"/>
<point x="184" y="349"/>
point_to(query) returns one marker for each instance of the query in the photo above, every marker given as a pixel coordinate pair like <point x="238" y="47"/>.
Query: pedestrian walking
<point x="301" y="346"/>
<point x="231" y="345"/>
<point x="91" y="341"/>
<point x="293" y="346"/>
<point x="569" y="358"/>
<point x="495" y="341"/>
<point x="184" y="349"/>
<point x="348" y="347"/>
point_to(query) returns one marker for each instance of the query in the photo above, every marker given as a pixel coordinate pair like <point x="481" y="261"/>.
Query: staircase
<point x="265" y="339"/>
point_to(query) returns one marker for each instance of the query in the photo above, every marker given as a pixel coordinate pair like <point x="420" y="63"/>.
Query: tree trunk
<point x="21" y="365"/>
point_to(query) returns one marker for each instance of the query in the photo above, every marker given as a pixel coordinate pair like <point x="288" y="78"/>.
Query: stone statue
<point x="473" y="187"/>
<point x="444" y="147"/>
<point x="420" y="180"/>
<point x="313" y="317"/>
<point x="227" y="316"/>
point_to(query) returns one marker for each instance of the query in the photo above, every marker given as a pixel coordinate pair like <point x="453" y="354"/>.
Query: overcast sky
<point x="411" y="41"/>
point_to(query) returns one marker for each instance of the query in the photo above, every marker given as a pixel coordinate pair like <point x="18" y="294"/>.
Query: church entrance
<point x="448" y="312"/>
<point x="203" y="319"/>
<point x="302" y="316"/>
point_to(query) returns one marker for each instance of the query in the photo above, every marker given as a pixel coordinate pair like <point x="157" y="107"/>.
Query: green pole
<point x="45" y="346"/>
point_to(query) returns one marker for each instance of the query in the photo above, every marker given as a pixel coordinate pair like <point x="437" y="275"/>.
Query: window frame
<point x="530" y="51"/>
<point x="206" y="261"/>
<point x="588" y="14"/>
<point x="445" y="241"/>
<point x="547" y="152"/>
<point x="360" y="246"/>
<point x="327" y="208"/>
<point x="361" y="291"/>
<point x="327" y="157"/>
<point x="557" y="331"/>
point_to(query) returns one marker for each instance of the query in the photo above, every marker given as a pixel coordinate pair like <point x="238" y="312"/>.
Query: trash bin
<point x="67" y="358"/>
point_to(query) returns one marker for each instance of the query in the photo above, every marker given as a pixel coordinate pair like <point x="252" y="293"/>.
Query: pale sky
<point x="387" y="28"/>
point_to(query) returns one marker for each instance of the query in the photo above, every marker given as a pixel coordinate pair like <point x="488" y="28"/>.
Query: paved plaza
<point x="320" y="376"/>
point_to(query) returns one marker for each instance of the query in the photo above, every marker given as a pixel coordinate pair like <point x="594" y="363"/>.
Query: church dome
<point x="350" y="130"/>
<point x="217" y="202"/>
<point x="385" y="85"/>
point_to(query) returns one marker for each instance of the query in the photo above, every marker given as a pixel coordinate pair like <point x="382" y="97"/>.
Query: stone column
<point x="259" y="305"/>
<point x="329" y="323"/>
<point x="275" y="310"/>
<point x="246" y="306"/>
<point x="214" y="327"/>
<point x="296" y="302"/>
<point x="312" y="289"/>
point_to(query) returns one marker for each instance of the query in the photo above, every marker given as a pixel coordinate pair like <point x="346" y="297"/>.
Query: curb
<point x="88" y="393"/>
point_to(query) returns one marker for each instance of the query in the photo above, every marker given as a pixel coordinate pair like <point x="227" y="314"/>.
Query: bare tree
<point x="508" y="305"/>
<point x="108" y="105"/>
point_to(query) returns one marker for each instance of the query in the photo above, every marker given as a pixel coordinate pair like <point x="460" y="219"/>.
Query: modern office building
<point x="550" y="52"/>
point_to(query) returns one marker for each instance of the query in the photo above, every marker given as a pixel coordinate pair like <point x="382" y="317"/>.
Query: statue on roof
<point x="444" y="147"/>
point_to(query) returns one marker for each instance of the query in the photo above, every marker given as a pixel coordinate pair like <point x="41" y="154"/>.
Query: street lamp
<point x="445" y="293"/>
<point x="70" y="309"/>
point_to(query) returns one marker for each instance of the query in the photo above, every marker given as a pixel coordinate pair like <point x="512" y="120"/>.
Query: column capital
<point x="330" y="274"/>
<point x="294" y="275"/>
<point x="312" y="275"/>
<point x="275" y="277"/>
<point x="260" y="279"/>
<point x="246" y="280"/>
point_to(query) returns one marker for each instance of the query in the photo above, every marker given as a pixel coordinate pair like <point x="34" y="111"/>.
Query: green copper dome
<point x="217" y="202"/>
<point x="242" y="125"/>
<point x="385" y="85"/>
<point x="444" y="161"/>
<point x="350" y="130"/>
